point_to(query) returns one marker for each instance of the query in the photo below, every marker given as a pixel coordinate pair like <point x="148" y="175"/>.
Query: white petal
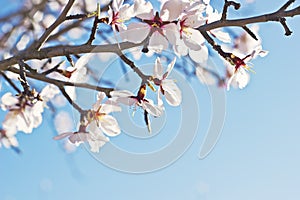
<point x="170" y="68"/>
<point x="49" y="92"/>
<point x="180" y="48"/>
<point x="172" y="9"/>
<point x="143" y="9"/>
<point x="171" y="31"/>
<point x="121" y="93"/>
<point x="193" y="39"/>
<point x="109" y="126"/>
<point x="158" y="42"/>
<point x="126" y="13"/>
<point x="158" y="69"/>
<point x="151" y="108"/>
<point x="171" y="92"/>
<point x="136" y="32"/>
<point x="9" y="100"/>
<point x="116" y="4"/>
<point x="159" y="98"/>
<point x="83" y="60"/>
<point x="110" y="106"/>
<point x="200" y="56"/>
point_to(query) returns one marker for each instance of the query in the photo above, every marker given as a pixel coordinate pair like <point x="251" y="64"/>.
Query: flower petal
<point x="158" y="42"/>
<point x="158" y="69"/>
<point x="136" y="32"/>
<point x="171" y="92"/>
<point x="109" y="126"/>
<point x="200" y="56"/>
<point x="152" y="109"/>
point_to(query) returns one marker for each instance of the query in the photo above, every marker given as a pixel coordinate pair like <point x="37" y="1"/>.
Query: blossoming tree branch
<point x="47" y="46"/>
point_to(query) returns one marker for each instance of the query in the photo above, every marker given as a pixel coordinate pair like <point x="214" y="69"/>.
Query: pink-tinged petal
<point x="136" y="32"/>
<point x="63" y="135"/>
<point x="171" y="31"/>
<point x="193" y="39"/>
<point x="172" y="9"/>
<point x="170" y="68"/>
<point x="143" y="9"/>
<point x="109" y="126"/>
<point x="158" y="42"/>
<point x="9" y="100"/>
<point x="172" y="92"/>
<point x="200" y="56"/>
<point x="151" y="108"/>
<point x="158" y="69"/>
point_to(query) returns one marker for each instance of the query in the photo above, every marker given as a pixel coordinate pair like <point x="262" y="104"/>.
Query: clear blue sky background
<point x="257" y="156"/>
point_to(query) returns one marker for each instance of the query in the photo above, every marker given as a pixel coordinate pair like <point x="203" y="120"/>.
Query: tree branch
<point x="59" y="83"/>
<point x="55" y="51"/>
<point x="275" y="16"/>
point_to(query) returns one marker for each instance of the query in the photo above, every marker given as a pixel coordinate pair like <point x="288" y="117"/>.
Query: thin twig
<point x="10" y="82"/>
<point x="227" y="4"/>
<point x="286" y="5"/>
<point x="275" y="16"/>
<point x="76" y="106"/>
<point x="250" y="32"/>
<point x="144" y="77"/>
<point x="93" y="31"/>
<point x="285" y="26"/>
<point x="38" y="44"/>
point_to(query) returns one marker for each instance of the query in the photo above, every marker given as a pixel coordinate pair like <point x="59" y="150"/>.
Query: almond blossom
<point x="76" y="74"/>
<point x="107" y="123"/>
<point x="96" y="122"/>
<point x="93" y="136"/>
<point x="128" y="98"/>
<point x="158" y="26"/>
<point x="167" y="87"/>
<point x="119" y="13"/>
<point x="25" y="111"/>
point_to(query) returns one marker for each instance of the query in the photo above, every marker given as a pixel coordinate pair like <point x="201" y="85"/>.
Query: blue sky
<point x="257" y="156"/>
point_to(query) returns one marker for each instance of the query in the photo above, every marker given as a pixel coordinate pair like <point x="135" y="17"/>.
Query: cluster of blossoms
<point x="174" y="27"/>
<point x="24" y="112"/>
<point x="96" y="124"/>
